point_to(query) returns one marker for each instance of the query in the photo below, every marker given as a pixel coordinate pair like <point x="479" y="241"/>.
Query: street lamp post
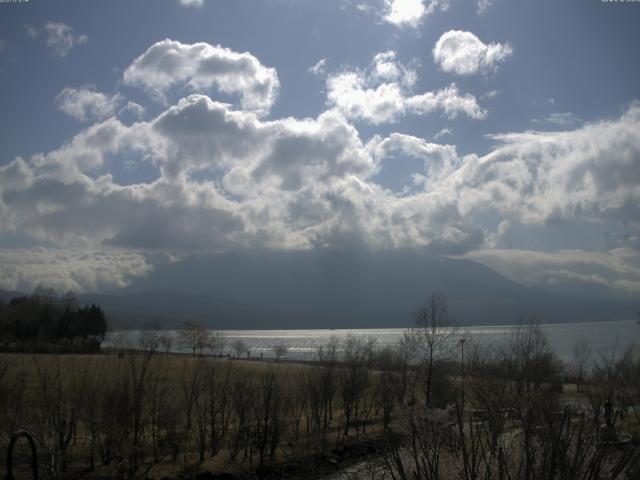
<point x="462" y="340"/>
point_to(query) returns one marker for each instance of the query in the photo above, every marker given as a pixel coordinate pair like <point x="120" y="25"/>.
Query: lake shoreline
<point x="303" y="344"/>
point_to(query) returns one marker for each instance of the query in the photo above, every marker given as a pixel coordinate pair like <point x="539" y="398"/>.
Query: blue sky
<point x="503" y="132"/>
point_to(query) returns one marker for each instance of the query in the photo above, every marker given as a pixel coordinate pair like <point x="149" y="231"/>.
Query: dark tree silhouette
<point x="43" y="320"/>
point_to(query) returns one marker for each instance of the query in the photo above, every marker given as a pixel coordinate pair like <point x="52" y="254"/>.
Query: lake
<point x="604" y="337"/>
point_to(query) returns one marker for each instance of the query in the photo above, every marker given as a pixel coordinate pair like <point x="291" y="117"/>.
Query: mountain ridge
<point x="301" y="290"/>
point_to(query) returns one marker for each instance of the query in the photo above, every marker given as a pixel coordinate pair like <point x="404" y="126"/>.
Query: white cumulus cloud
<point x="382" y="93"/>
<point x="463" y="53"/>
<point x="201" y="67"/>
<point x="24" y="269"/>
<point x="440" y="160"/>
<point x="443" y="133"/>
<point x="61" y="38"/>
<point x="616" y="270"/>
<point x="86" y="103"/>
<point x="134" y="109"/>
<point x="410" y="13"/>
<point x="588" y="173"/>
<point x="191" y="3"/>
<point x="484" y="5"/>
<point x="319" y="68"/>
<point x="227" y="178"/>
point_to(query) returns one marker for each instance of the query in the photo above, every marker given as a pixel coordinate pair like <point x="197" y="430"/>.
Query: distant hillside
<point x="165" y="309"/>
<point x="7" y="295"/>
<point x="337" y="290"/>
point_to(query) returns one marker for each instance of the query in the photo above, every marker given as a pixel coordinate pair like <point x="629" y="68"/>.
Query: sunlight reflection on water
<point x="603" y="337"/>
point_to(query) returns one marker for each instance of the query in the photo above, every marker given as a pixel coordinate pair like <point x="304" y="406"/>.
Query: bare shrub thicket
<point x="122" y="415"/>
<point x="515" y="423"/>
<point x="533" y="441"/>
<point x="616" y="378"/>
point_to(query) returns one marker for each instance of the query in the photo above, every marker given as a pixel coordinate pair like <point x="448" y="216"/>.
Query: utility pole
<point x="462" y="340"/>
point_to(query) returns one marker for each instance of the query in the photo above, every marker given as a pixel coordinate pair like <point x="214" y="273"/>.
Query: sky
<point x="139" y="134"/>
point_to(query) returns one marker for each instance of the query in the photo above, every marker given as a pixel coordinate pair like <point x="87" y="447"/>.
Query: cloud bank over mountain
<point x="193" y="150"/>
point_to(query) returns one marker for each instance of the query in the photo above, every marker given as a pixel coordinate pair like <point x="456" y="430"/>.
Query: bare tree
<point x="239" y="347"/>
<point x="219" y="403"/>
<point x="56" y="411"/>
<point x="405" y="355"/>
<point x="328" y="360"/>
<point x="433" y="334"/>
<point x="197" y="408"/>
<point x="149" y="341"/>
<point x="13" y="386"/>
<point x="166" y="342"/>
<point x="194" y="337"/>
<point x="270" y="412"/>
<point x="418" y="454"/>
<point x="353" y="379"/>
<point x="243" y="404"/>
<point x="218" y="343"/>
<point x="158" y="403"/>
<point x="580" y="361"/>
<point x="529" y="358"/>
<point x="280" y="351"/>
<point x="90" y="392"/>
<point x="389" y="380"/>
<point x="138" y="386"/>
